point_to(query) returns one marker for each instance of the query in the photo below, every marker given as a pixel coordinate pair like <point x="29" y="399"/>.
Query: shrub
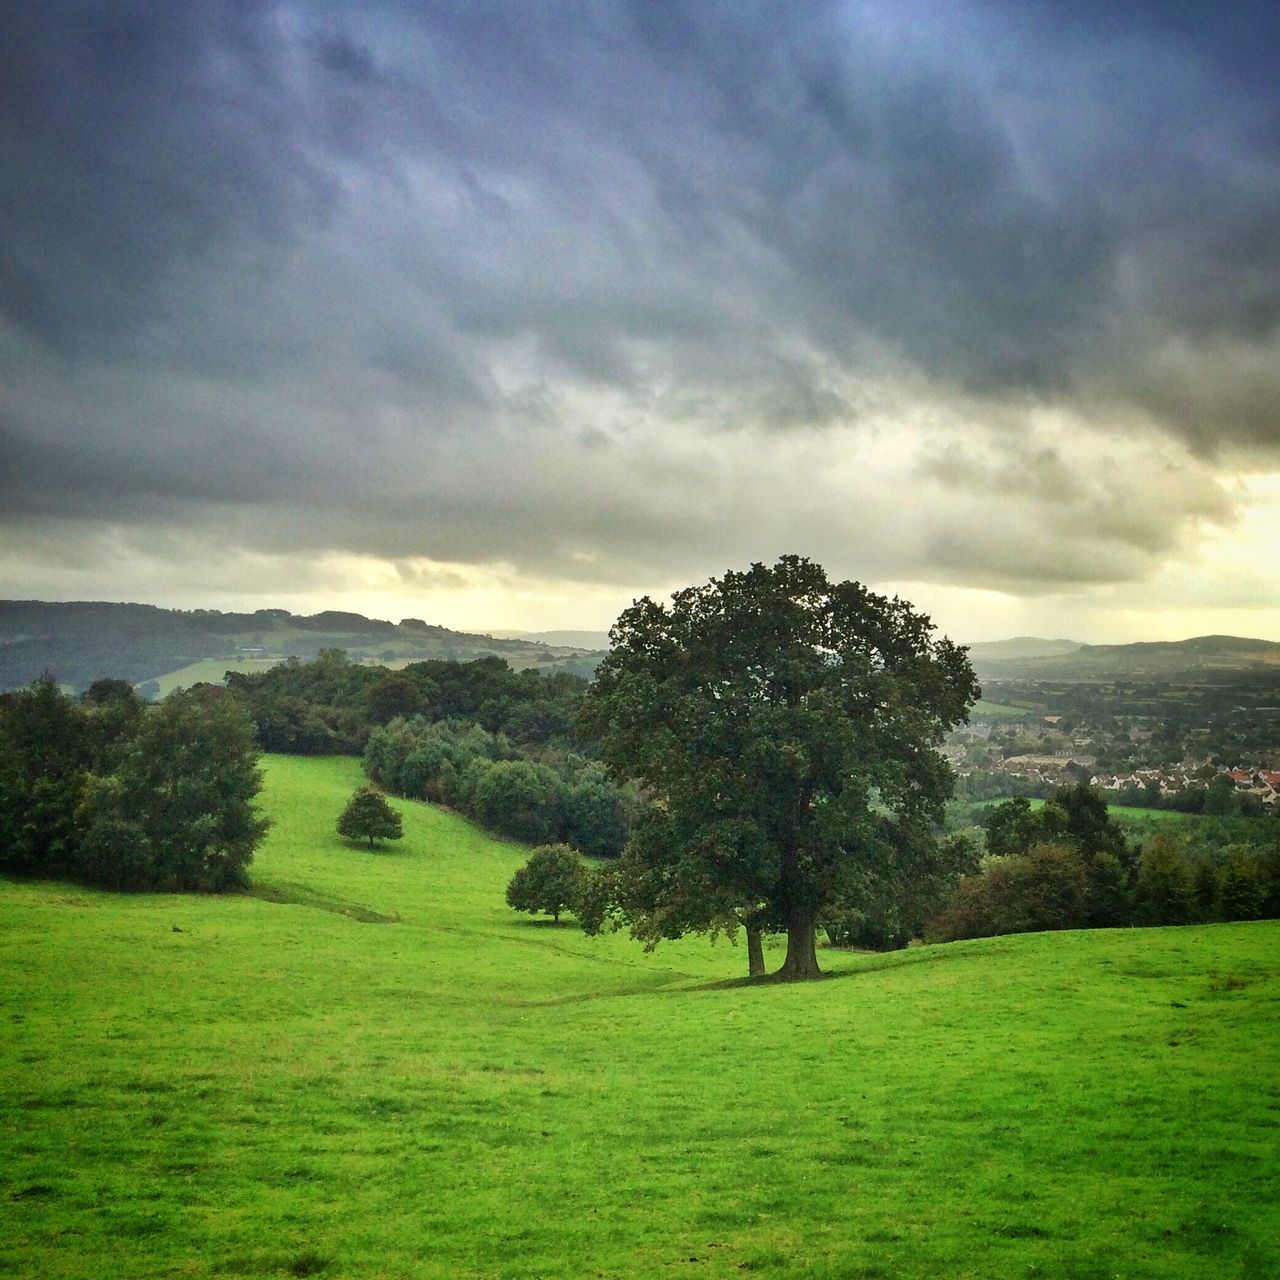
<point x="1045" y="888"/>
<point x="522" y="800"/>
<point x="369" y="817"/>
<point x="551" y="881"/>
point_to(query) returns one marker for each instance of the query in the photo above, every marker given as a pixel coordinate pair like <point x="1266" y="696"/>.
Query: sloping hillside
<point x="374" y="1068"/>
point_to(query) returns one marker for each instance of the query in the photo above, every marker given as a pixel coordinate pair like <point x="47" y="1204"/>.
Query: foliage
<point x="331" y="705"/>
<point x="1165" y="883"/>
<point x="44" y="760"/>
<point x="559" y="798"/>
<point x="788" y="729"/>
<point x="901" y="906"/>
<point x="519" y="799"/>
<point x="111" y="793"/>
<point x="550" y="882"/>
<point x="1044" y="888"/>
<point x="177" y="812"/>
<point x="1241" y="890"/>
<point x="369" y="817"/>
<point x="1075" y="815"/>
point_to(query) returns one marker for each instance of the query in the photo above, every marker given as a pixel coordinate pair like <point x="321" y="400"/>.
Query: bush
<point x="551" y="881"/>
<point x="521" y="800"/>
<point x="1045" y="888"/>
<point x="369" y="817"/>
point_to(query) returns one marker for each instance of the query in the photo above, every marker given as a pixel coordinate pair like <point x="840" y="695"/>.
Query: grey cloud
<point x="333" y="261"/>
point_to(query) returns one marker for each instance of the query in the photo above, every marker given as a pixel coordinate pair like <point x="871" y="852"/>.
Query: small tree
<point x="369" y="816"/>
<point x="1241" y="891"/>
<point x="1166" y="890"/>
<point x="551" y="882"/>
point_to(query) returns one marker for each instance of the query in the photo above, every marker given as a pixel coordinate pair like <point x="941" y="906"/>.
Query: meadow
<point x="208" y="671"/>
<point x="371" y="1067"/>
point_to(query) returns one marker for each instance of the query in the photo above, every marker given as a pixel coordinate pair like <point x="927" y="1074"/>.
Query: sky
<point x="504" y="314"/>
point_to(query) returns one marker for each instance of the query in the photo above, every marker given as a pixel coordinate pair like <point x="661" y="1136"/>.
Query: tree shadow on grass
<point x="298" y="895"/>
<point x="872" y="962"/>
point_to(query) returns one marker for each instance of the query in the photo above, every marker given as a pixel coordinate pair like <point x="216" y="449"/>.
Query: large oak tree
<point x="787" y="729"/>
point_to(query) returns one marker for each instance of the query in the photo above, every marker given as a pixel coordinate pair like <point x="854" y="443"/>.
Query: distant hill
<point x="590" y="641"/>
<point x="1211" y="659"/>
<point x="81" y="641"/>
<point x="1020" y="647"/>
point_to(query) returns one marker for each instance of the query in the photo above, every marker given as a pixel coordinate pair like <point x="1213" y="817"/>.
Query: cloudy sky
<point x="503" y="313"/>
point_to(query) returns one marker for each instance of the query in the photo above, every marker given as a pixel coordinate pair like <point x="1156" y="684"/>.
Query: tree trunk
<point x="755" y="953"/>
<point x="802" y="948"/>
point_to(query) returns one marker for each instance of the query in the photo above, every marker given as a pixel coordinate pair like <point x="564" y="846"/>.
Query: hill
<point x="1207" y="659"/>
<point x="1019" y="647"/>
<point x="81" y="641"/>
<point x="371" y="1067"/>
<point x="590" y="641"/>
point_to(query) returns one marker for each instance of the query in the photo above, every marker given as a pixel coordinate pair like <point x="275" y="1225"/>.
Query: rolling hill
<point x="1203" y="658"/>
<point x="80" y="641"/>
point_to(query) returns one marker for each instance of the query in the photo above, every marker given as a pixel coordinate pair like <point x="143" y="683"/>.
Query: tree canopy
<point x="787" y="728"/>
<point x="369" y="817"/>
<point x="129" y="797"/>
<point x="550" y="882"/>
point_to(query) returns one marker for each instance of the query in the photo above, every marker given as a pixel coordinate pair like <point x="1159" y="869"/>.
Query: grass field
<point x="208" y="671"/>
<point x="375" y="1069"/>
<point x="984" y="710"/>
<point x="1131" y="814"/>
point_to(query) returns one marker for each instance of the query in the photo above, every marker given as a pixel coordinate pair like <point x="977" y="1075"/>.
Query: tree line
<point x="330" y="706"/>
<point x="560" y="797"/>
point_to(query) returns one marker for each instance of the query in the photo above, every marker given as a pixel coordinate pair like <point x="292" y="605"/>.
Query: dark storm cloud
<point x="297" y="256"/>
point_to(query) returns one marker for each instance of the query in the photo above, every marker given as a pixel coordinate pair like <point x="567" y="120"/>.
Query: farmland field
<point x="209" y="671"/>
<point x="983" y="710"/>
<point x="371" y="1067"/>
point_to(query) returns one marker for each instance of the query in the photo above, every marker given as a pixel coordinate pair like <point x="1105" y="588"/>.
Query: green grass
<point x="1130" y="814"/>
<point x="374" y="1069"/>
<point x="1162" y="817"/>
<point x="984" y="710"/>
<point x="208" y="671"/>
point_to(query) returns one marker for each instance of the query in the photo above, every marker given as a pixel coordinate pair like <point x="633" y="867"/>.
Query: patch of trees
<point x="560" y="798"/>
<point x="1068" y="865"/>
<point x="330" y="706"/>
<point x="107" y="791"/>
